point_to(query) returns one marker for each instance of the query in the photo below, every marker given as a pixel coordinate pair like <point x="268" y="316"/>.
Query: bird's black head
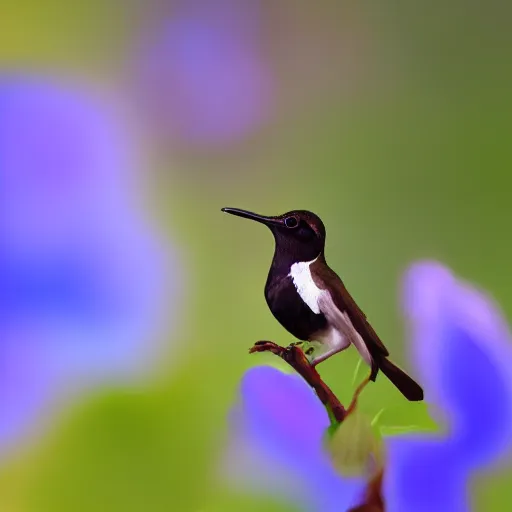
<point x="299" y="234"/>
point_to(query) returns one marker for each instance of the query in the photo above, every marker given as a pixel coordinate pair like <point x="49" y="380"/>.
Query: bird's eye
<point x="291" y="222"/>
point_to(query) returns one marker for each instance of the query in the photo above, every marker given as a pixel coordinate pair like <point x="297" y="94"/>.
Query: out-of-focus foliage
<point x="390" y="120"/>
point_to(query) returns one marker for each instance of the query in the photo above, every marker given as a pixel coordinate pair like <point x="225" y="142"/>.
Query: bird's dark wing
<point x="325" y="278"/>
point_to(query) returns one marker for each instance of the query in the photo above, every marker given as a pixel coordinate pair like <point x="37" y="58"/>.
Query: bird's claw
<point x="307" y="348"/>
<point x="291" y="353"/>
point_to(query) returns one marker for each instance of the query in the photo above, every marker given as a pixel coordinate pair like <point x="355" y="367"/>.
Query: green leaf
<point x="354" y="446"/>
<point x="403" y="419"/>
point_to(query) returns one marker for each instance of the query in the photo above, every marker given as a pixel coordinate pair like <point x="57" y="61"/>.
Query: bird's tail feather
<point x="405" y="384"/>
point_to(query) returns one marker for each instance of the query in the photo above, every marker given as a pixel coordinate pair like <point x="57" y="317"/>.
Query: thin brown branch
<point x="295" y="357"/>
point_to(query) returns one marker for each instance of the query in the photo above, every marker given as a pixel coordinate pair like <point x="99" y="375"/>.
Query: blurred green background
<point x="391" y="120"/>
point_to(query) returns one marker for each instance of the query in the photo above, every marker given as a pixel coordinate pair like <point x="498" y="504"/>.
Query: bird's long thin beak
<point x="269" y="221"/>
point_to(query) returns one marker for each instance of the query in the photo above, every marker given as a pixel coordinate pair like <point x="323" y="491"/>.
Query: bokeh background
<point x="390" y="120"/>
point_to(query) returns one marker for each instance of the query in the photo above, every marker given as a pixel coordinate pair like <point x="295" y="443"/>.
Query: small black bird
<point x="311" y="302"/>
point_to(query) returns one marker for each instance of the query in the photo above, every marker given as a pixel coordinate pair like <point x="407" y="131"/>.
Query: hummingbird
<point x="311" y="302"/>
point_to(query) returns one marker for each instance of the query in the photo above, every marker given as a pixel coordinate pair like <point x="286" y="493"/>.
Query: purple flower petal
<point x="424" y="474"/>
<point x="463" y="352"/>
<point x="282" y="422"/>
<point x="83" y="274"/>
<point x="64" y="162"/>
<point x="274" y="403"/>
<point x="203" y="72"/>
<point x="26" y="388"/>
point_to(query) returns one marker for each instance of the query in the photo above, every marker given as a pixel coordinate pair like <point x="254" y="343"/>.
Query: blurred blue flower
<point x="463" y="353"/>
<point x="203" y="74"/>
<point x="83" y="274"/>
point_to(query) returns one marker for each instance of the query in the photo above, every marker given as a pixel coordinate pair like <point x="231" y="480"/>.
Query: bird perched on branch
<point x="311" y="302"/>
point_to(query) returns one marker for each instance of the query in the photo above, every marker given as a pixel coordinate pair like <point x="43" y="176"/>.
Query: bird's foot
<point x="296" y="353"/>
<point x="306" y="347"/>
<point x="310" y="348"/>
<point x="293" y="353"/>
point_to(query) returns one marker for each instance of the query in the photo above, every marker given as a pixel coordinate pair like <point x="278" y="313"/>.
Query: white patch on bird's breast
<point x="306" y="287"/>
